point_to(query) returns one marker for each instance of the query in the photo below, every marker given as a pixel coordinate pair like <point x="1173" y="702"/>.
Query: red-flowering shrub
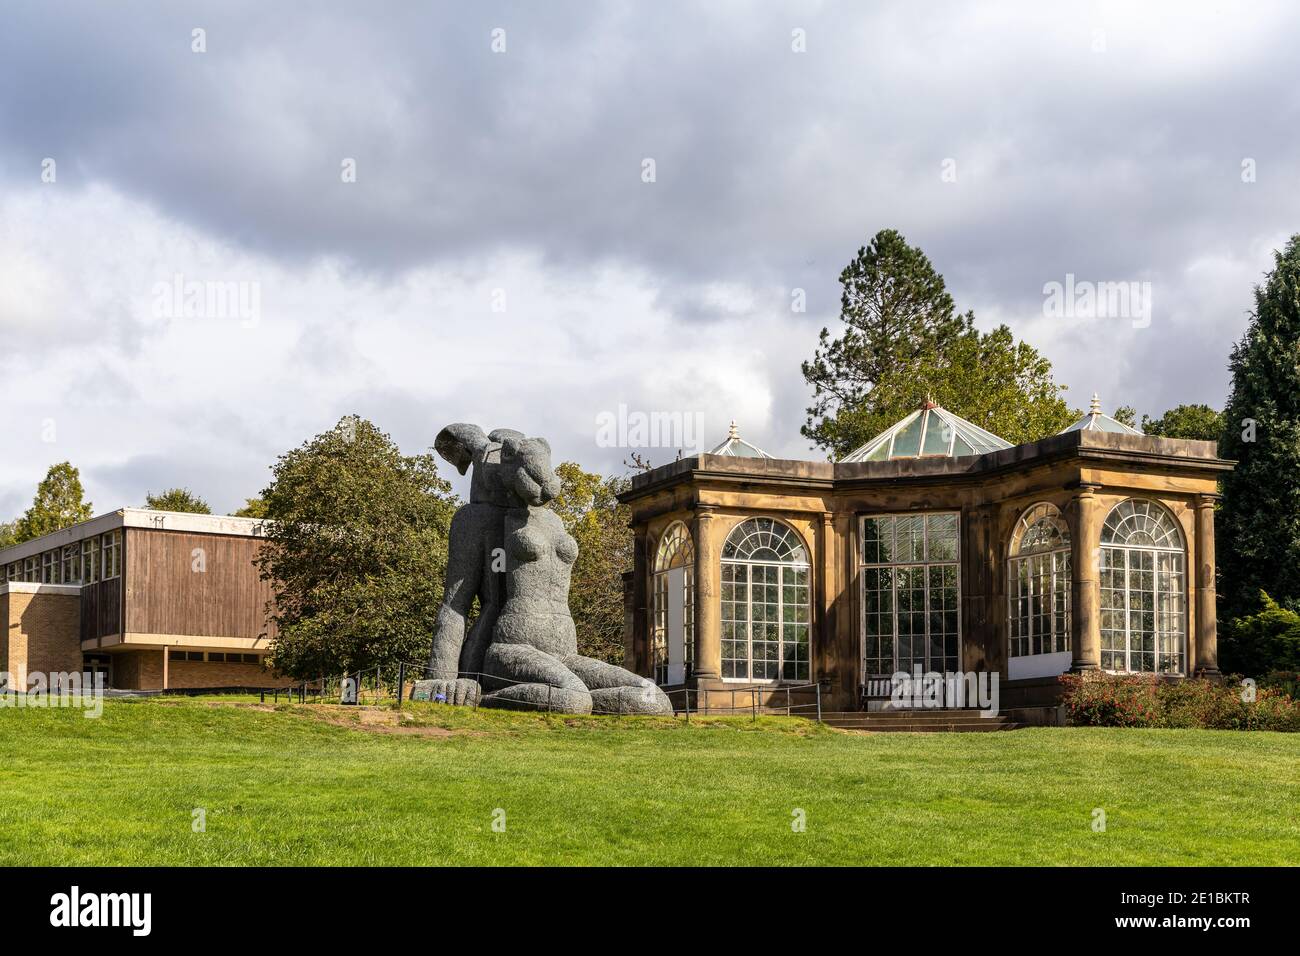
<point x="1098" y="699"/>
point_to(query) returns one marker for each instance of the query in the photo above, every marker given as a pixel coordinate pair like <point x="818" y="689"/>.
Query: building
<point x="155" y="600"/>
<point x="936" y="545"/>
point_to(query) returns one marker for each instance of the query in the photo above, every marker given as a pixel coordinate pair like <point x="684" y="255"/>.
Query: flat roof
<point x="135" y="518"/>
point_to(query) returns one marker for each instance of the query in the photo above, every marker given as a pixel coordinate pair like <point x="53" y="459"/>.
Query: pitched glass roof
<point x="737" y="447"/>
<point x="929" y="432"/>
<point x="1095" y="421"/>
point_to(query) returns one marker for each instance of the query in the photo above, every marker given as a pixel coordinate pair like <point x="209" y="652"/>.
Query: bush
<point x="1131" y="700"/>
<point x="1268" y="640"/>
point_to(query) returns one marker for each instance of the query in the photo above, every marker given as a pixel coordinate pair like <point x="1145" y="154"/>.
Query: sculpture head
<point x="510" y="469"/>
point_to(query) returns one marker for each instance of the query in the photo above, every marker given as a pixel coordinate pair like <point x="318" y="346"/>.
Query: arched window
<point x="1039" y="589"/>
<point x="673" y="644"/>
<point x="1143" y="587"/>
<point x="765" y="617"/>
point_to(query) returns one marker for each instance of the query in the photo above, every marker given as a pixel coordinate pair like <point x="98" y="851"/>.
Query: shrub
<point x="1268" y="640"/>
<point x="1138" y="700"/>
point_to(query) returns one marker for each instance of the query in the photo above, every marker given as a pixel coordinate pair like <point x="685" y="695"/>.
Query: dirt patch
<point x="379" y="720"/>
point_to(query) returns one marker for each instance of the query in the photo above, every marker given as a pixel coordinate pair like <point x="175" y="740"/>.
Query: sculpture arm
<point x="464" y="573"/>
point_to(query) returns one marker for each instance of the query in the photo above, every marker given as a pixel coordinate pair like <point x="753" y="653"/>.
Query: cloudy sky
<point x="441" y="212"/>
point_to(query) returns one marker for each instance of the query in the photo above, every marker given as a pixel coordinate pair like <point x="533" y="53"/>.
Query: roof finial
<point x="1096" y="405"/>
<point x="733" y="433"/>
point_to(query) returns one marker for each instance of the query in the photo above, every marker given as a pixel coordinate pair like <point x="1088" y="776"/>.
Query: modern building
<point x="154" y="599"/>
<point x="935" y="545"/>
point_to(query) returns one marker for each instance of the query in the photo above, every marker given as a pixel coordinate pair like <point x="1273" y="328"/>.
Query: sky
<point x="555" y="216"/>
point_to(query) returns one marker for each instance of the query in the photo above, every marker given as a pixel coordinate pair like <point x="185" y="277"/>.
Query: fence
<point x="394" y="683"/>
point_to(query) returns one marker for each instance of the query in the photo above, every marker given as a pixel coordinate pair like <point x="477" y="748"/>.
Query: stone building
<point x="936" y="545"/>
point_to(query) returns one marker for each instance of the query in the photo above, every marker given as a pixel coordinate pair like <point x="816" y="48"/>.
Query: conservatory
<point x="936" y="545"/>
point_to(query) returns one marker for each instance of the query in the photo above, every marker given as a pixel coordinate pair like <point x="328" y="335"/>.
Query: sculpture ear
<point x="459" y="444"/>
<point x="501" y="434"/>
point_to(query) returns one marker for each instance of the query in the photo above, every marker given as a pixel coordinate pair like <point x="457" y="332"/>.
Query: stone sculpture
<point x="513" y="554"/>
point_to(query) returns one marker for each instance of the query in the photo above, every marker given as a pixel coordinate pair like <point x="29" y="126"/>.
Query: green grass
<point x="289" y="787"/>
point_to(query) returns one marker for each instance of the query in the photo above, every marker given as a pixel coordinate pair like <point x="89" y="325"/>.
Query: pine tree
<point x="904" y="342"/>
<point x="1258" y="530"/>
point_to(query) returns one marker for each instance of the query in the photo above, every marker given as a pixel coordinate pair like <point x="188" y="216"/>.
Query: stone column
<point x="640" y="649"/>
<point x="708" y="596"/>
<point x="1085" y="592"/>
<point x="1207" y="633"/>
<point x="824" y="663"/>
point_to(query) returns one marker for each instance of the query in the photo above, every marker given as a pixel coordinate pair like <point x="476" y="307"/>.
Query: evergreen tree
<point x="904" y="342"/>
<point x="1258" y="530"/>
<point x="59" y="503"/>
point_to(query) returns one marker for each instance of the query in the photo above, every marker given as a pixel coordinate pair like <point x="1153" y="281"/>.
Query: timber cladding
<point x="180" y="582"/>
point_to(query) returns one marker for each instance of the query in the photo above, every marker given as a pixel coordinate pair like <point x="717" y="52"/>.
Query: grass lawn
<point x="314" y="785"/>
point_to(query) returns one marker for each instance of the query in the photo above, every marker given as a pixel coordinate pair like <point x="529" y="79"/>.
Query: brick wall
<point x="138" y="670"/>
<point x="217" y="674"/>
<point x="42" y="633"/>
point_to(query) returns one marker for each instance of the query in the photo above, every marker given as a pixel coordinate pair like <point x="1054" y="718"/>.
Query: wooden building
<point x="153" y="599"/>
<point x="936" y="546"/>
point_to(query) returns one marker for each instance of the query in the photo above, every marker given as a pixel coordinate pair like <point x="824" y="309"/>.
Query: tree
<point x="356" y="550"/>
<point x="253" y="508"/>
<point x="177" y="499"/>
<point x="8" y="534"/>
<point x="904" y="342"/>
<point x="1127" y="415"/>
<point x="1267" y="640"/>
<point x="59" y="503"/>
<point x="589" y="508"/>
<point x="1199" y="422"/>
<point x="1259" y="520"/>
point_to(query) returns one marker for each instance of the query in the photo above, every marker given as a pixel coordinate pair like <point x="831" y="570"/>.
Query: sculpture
<point x="514" y="555"/>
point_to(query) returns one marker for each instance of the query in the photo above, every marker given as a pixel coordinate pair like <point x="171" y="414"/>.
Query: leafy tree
<point x="59" y="503"/>
<point x="1267" y="640"/>
<point x="1259" y="520"/>
<point x="1199" y="422"/>
<point x="1126" y="415"/>
<point x="356" y="551"/>
<point x="177" y="499"/>
<point x="253" y="508"/>
<point x="589" y="508"/>
<point x="904" y="342"/>
<point x="8" y="534"/>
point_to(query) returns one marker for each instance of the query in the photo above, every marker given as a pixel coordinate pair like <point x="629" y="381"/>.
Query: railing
<point x="739" y="700"/>
<point x="395" y="683"/>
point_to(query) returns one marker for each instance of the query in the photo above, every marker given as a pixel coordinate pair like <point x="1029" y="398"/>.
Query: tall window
<point x="72" y="564"/>
<point x="765" y="610"/>
<point x="31" y="572"/>
<point x="1040" y="583"/>
<point x="111" y="565"/>
<point x="90" y="559"/>
<point x="1143" y="587"/>
<point x="910" y="593"/>
<point x="673" y="642"/>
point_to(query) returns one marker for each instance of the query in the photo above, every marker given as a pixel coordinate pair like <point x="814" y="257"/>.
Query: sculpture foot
<point x="539" y="697"/>
<point x="643" y="699"/>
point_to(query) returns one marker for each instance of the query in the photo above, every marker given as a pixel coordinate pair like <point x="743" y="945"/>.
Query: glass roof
<point x="929" y="432"/>
<point x="1095" y="421"/>
<point x="737" y="447"/>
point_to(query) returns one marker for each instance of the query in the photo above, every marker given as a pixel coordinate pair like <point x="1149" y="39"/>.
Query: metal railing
<point x="396" y="683"/>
